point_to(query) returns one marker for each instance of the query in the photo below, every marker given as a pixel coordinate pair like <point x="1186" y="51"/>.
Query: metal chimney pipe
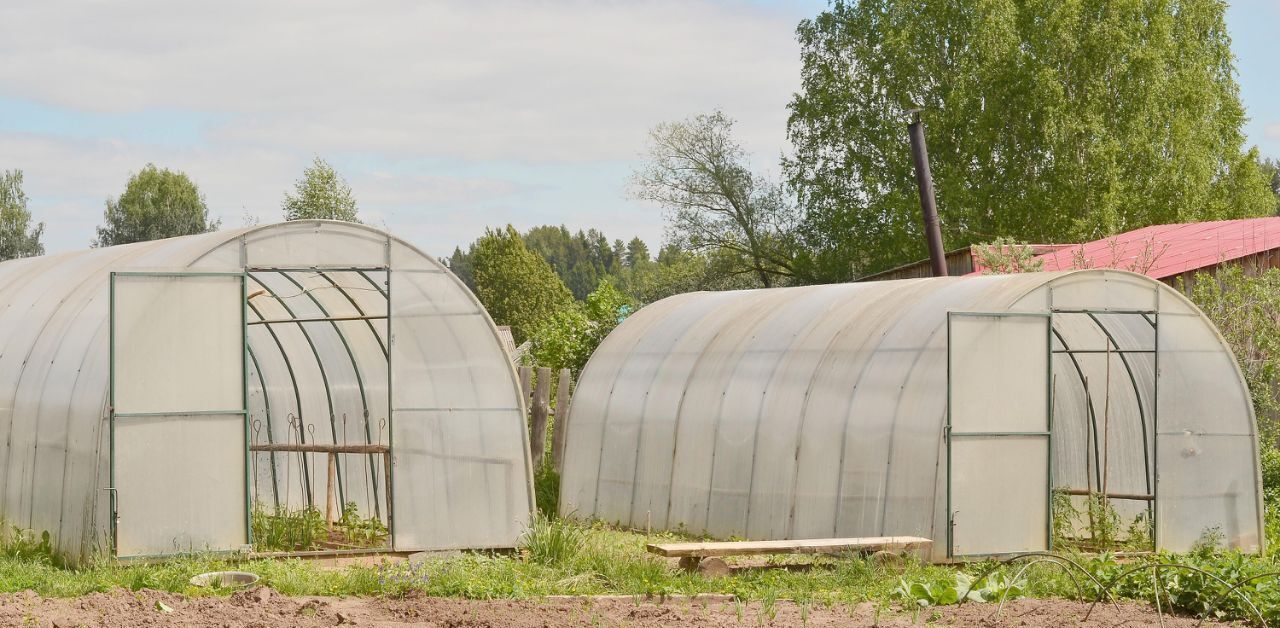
<point x="924" y="181"/>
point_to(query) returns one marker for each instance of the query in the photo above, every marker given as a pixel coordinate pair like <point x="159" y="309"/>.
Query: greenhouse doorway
<point x="177" y="412"/>
<point x="319" y="392"/>
<point x="1105" y="420"/>
<point x="999" y="378"/>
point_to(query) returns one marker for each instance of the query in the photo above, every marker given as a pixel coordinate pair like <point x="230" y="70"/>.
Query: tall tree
<point x="1271" y="171"/>
<point x="1047" y="122"/>
<point x="321" y="194"/>
<point x="699" y="173"/>
<point x="516" y="285"/>
<point x="156" y="203"/>
<point x="460" y="264"/>
<point x="18" y="237"/>
<point x="637" y="253"/>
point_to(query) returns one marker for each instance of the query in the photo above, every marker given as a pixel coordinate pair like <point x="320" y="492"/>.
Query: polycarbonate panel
<point x="587" y="416"/>
<point x="774" y="466"/>
<point x="698" y="426"/>
<point x="825" y="415"/>
<point x="634" y="482"/>
<point x="999" y="494"/>
<point x="1105" y="289"/>
<point x="1208" y="489"/>
<point x="324" y="244"/>
<point x="1208" y="465"/>
<point x="1199" y="388"/>
<point x="999" y="373"/>
<point x="460" y="479"/>
<point x="461" y="475"/>
<point x="180" y="484"/>
<point x="179" y="343"/>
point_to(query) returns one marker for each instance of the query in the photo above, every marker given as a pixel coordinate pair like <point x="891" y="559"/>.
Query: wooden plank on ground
<point x="799" y="546"/>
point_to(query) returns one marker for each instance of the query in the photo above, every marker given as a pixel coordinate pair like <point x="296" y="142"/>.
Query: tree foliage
<point x="1004" y="256"/>
<point x="156" y="203"/>
<point x="18" y="237"/>
<point x="516" y="285"/>
<point x="699" y="173"/>
<point x="1047" y="122"/>
<point x="1271" y="172"/>
<point x="569" y="337"/>
<point x="321" y="194"/>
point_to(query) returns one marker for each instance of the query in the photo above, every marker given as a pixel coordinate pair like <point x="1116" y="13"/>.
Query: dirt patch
<point x="264" y="607"/>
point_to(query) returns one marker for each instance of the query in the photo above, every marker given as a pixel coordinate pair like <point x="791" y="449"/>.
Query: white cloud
<point x="527" y="81"/>
<point x="1272" y="131"/>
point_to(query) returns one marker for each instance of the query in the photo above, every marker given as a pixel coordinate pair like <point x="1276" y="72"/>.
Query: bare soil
<point x="264" y="607"/>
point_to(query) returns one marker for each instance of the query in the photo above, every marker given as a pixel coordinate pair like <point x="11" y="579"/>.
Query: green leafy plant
<point x="962" y="586"/>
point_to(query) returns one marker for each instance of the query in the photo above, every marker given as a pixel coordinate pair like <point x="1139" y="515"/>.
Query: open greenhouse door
<point x="178" y="422"/>
<point x="998" y="422"/>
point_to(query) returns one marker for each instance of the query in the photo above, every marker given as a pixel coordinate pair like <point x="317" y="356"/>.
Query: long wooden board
<point x="799" y="546"/>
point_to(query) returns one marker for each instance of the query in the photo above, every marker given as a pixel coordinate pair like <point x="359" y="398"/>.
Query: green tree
<point x="569" y="337"/>
<point x="1271" y="171"/>
<point x="321" y="194"/>
<point x="516" y="285"/>
<point x="699" y="173"/>
<point x="156" y="203"/>
<point x="677" y="271"/>
<point x="1005" y="256"/>
<point x="460" y="264"/>
<point x="1047" y="121"/>
<point x="18" y="237"/>
<point x="637" y="253"/>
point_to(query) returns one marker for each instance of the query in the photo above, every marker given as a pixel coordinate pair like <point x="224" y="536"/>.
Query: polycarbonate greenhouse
<point x="986" y="413"/>
<point x="153" y="395"/>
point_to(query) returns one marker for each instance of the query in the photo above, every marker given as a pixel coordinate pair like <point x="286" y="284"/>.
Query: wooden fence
<point x="537" y="397"/>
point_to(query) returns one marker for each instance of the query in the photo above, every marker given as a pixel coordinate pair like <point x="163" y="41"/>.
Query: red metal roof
<point x="1161" y="251"/>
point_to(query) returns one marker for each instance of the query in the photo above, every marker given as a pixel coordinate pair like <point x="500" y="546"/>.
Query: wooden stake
<point x="526" y="384"/>
<point x="331" y="500"/>
<point x="559" y="432"/>
<point x="538" y="429"/>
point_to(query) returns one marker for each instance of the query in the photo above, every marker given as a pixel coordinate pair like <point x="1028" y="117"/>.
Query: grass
<point x="560" y="557"/>
<point x="557" y="557"/>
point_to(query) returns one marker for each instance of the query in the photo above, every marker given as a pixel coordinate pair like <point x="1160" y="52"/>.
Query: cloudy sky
<point x="444" y="117"/>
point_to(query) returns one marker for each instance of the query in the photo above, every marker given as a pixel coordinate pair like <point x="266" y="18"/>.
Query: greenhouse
<point x="174" y="396"/>
<point x="996" y="415"/>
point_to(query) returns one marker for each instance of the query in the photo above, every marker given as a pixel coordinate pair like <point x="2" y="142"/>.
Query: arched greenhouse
<point x="159" y="397"/>
<point x="994" y="414"/>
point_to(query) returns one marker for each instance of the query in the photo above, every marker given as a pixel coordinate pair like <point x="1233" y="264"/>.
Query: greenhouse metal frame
<point x="150" y="394"/>
<point x="981" y="412"/>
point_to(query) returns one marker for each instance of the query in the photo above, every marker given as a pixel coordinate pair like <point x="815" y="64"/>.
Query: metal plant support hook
<point x="1262" y="620"/>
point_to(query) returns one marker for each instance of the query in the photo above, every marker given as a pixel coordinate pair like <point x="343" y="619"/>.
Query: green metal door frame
<point x="243" y="411"/>
<point x="949" y="435"/>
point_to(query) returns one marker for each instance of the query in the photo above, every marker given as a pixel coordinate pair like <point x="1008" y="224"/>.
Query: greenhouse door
<point x="178" y="433"/>
<point x="998" y="419"/>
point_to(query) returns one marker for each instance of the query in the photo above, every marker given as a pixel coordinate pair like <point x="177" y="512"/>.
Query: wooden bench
<point x="691" y="555"/>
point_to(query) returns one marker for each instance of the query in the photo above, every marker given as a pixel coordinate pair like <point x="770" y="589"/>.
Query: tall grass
<point x="553" y="541"/>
